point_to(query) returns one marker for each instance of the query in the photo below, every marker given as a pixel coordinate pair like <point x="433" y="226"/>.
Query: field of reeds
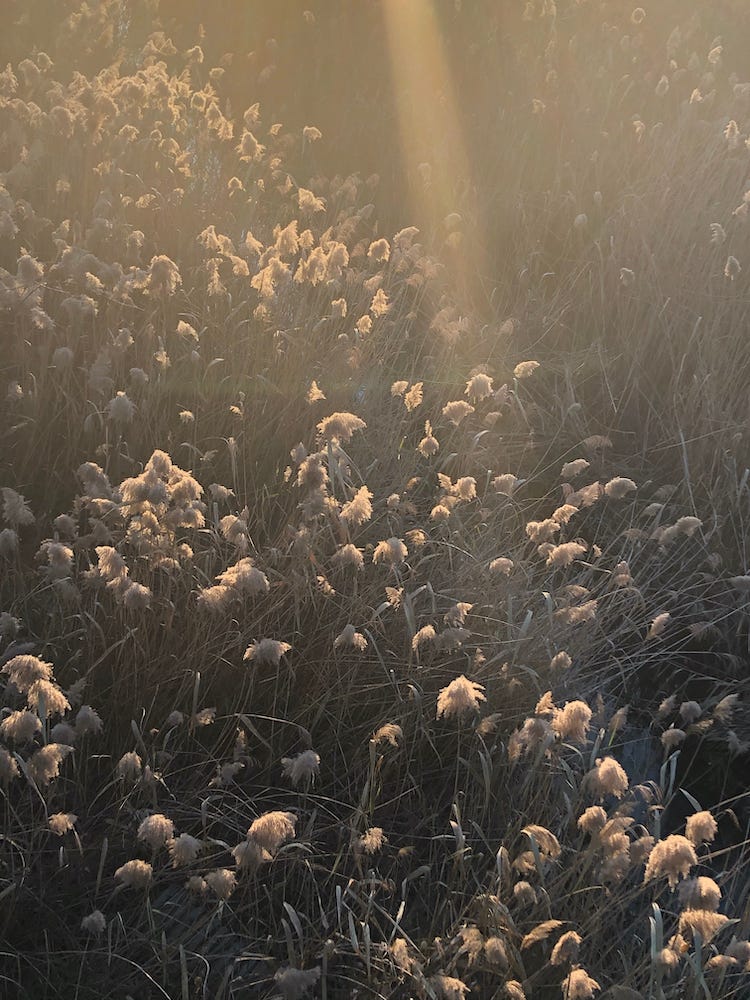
<point x="374" y="498"/>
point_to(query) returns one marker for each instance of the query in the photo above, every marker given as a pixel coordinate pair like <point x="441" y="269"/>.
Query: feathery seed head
<point x="389" y="733"/>
<point x="701" y="828"/>
<point x="479" y="387"/>
<point x="24" y="670"/>
<point x="690" y="711"/>
<point x="129" y="767"/>
<point x="607" y="777"/>
<point x="525" y="368"/>
<point x="222" y="882"/>
<point x="372" y="840"/>
<point x="135" y="874"/>
<point x="47" y="699"/>
<point x="266" y="651"/>
<point x="456" y="411"/>
<point x="121" y="409"/>
<point x="88" y="721"/>
<point x="349" y="556"/>
<point x="461" y="697"/>
<point x="94" y="923"/>
<point x="502" y="566"/>
<point x="572" y="469"/>
<point x="61" y="823"/>
<point x="350" y="638"/>
<point x="566" y="949"/>
<point x="20" y="726"/>
<point x="183" y="850"/>
<point x="272" y="829"/>
<point x="572" y="721"/>
<point x="672" y="857"/>
<point x="700" y="893"/>
<point x="16" y="510"/>
<point x="391" y="551"/>
<point x="302" y="768"/>
<point x="340" y="427"/>
<point x="156" y="831"/>
<point x="358" y="510"/>
<point x="565" y="554"/>
<point x="579" y="985"/>
<point x="619" y="487"/>
<point x="592" y="820"/>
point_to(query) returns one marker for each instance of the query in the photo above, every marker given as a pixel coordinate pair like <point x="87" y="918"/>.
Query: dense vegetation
<point x="374" y="455"/>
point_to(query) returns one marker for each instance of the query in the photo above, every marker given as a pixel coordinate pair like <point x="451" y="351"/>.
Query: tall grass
<point x="373" y="592"/>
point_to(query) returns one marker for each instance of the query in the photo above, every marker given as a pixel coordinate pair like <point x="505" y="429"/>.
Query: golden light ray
<point x="429" y="123"/>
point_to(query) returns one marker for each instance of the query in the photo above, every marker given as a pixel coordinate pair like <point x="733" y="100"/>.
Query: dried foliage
<point x="344" y="648"/>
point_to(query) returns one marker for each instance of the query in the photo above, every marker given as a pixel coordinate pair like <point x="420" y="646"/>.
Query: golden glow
<point x="433" y="148"/>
